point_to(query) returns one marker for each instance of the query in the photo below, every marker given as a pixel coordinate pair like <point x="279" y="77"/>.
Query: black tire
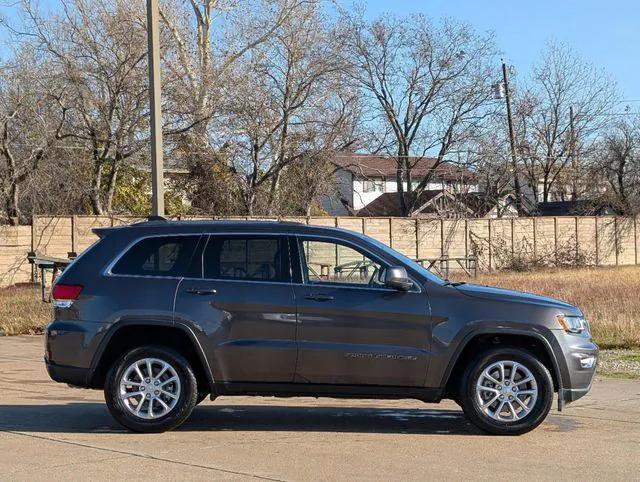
<point x="179" y="413"/>
<point x="471" y="404"/>
<point x="201" y="397"/>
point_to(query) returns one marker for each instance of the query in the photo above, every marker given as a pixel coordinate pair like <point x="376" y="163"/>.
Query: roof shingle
<point x="369" y="165"/>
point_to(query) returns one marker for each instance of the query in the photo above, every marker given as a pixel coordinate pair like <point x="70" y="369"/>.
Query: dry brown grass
<point x="609" y="297"/>
<point x="22" y="311"/>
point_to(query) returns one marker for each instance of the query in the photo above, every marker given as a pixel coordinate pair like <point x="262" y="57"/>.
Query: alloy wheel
<point x="506" y="391"/>
<point x="150" y="388"/>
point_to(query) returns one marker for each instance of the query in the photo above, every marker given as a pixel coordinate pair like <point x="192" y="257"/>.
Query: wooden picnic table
<point x="442" y="264"/>
<point x="45" y="264"/>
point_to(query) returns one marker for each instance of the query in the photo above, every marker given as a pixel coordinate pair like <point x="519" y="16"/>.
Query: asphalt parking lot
<point x="51" y="432"/>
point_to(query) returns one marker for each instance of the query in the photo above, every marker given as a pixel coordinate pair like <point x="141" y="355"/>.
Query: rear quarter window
<point x="160" y="256"/>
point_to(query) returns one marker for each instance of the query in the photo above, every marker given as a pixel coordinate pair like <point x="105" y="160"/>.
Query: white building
<point x="362" y="178"/>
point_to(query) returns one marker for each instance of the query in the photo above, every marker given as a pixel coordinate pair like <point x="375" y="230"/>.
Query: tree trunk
<point x="400" y="165"/>
<point x="250" y="201"/>
<point x="113" y="181"/>
<point x="621" y="188"/>
<point x="13" y="208"/>
<point x="545" y="190"/>
<point x="273" y="191"/>
<point x="95" y="192"/>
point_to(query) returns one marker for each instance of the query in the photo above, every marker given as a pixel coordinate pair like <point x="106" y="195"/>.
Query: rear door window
<point x="253" y="258"/>
<point x="161" y="256"/>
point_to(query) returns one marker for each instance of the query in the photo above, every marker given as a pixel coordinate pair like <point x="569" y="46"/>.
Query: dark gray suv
<point x="163" y="314"/>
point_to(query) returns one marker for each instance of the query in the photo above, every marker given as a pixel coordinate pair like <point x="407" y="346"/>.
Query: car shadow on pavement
<point x="88" y="417"/>
<point x="329" y="419"/>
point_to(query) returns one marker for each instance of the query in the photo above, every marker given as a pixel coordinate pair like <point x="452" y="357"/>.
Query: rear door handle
<point x="319" y="297"/>
<point x="202" y="291"/>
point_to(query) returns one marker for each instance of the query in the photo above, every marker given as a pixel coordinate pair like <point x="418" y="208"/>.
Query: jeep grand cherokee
<point x="161" y="315"/>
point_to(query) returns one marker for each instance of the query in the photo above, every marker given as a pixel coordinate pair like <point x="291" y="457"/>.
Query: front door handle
<point x="202" y="291"/>
<point x="319" y="297"/>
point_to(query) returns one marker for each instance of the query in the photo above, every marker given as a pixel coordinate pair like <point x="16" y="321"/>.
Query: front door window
<point x="329" y="262"/>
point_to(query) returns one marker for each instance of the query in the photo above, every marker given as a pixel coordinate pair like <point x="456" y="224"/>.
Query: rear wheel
<point x="151" y="389"/>
<point x="506" y="391"/>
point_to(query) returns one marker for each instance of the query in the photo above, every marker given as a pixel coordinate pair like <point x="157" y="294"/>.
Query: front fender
<point x="447" y="356"/>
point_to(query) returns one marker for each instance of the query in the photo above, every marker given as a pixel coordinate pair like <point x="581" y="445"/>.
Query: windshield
<point x="405" y="260"/>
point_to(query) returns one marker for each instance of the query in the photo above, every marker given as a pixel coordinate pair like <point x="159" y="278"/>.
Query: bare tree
<point x="546" y="143"/>
<point x="288" y="105"/>
<point x="493" y="166"/>
<point x="204" y="40"/>
<point x="31" y="120"/>
<point x="429" y="87"/>
<point x="619" y="160"/>
<point x="97" y="50"/>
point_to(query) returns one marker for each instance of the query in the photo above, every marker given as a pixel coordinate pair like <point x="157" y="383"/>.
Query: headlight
<point x="573" y="324"/>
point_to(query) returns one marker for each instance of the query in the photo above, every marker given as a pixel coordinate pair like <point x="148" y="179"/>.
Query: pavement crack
<point x="142" y="456"/>
<point x="70" y="464"/>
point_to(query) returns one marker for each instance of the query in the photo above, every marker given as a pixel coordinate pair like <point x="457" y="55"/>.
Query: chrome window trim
<point x="243" y="280"/>
<point x="417" y="287"/>
<point x="108" y="272"/>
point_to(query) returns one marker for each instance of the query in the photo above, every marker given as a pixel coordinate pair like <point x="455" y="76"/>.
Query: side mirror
<point x="396" y="277"/>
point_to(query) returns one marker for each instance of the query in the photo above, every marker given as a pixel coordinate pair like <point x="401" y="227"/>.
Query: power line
<point x="616" y="114"/>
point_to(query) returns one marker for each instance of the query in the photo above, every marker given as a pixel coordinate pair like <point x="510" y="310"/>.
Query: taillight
<point x="64" y="295"/>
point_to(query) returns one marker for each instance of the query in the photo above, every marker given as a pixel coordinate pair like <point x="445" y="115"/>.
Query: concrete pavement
<point x="49" y="431"/>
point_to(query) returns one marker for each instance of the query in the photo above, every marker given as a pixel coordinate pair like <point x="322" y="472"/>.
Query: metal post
<point x="512" y="140"/>
<point x="572" y="153"/>
<point x="155" y="118"/>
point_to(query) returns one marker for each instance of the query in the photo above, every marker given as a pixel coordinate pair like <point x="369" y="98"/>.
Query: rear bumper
<point x="75" y="376"/>
<point x="70" y="346"/>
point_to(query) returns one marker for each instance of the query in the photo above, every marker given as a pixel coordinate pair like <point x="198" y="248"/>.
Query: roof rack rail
<point x="150" y="219"/>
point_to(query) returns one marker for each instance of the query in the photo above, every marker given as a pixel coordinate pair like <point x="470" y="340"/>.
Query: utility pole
<point x="155" y="119"/>
<point x="512" y="140"/>
<point x="572" y="152"/>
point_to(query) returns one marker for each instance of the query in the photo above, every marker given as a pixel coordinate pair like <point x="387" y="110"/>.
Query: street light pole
<point x="512" y="140"/>
<point x="155" y="119"/>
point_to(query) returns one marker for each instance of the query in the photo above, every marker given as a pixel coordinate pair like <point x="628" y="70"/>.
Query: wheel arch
<point x="487" y="338"/>
<point x="127" y="334"/>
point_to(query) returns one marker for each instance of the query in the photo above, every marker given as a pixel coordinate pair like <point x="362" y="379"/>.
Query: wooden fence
<point x="15" y="243"/>
<point x="497" y="243"/>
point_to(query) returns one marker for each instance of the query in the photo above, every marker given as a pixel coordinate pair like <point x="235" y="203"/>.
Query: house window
<point x="373" y="184"/>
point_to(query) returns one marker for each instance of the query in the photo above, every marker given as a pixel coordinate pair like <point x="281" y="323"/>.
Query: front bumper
<point x="580" y="355"/>
<point x="568" y="395"/>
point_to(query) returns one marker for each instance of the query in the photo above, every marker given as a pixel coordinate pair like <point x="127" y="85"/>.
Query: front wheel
<point x="506" y="391"/>
<point x="201" y="397"/>
<point x="151" y="389"/>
